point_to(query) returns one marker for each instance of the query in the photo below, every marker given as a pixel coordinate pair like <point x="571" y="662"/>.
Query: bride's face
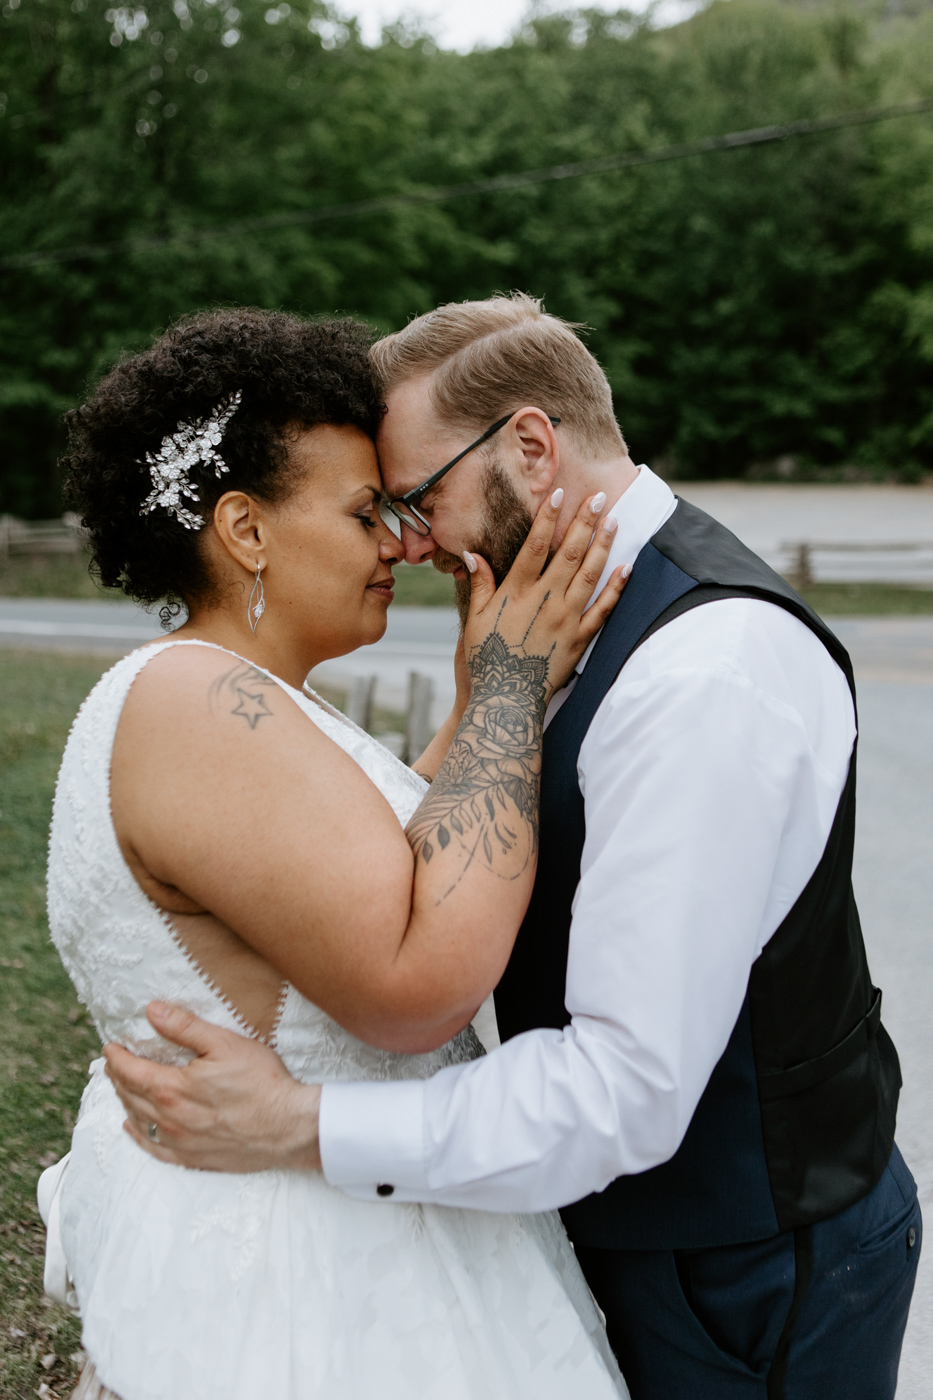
<point x="330" y="554"/>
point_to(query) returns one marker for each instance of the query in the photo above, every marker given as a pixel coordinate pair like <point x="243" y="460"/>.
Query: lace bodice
<point x="121" y="951"/>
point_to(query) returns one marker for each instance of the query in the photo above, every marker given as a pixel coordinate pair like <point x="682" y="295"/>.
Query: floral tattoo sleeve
<point x="483" y="804"/>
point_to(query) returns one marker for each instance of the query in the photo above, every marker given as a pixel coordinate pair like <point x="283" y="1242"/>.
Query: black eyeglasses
<point x="404" y="508"/>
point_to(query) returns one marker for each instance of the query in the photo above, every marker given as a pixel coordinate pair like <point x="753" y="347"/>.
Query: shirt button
<point x="911" y="1236"/>
<point x="384" y="1189"/>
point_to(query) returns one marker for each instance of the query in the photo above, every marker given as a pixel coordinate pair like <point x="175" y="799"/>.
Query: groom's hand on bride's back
<point x="234" y="1107"/>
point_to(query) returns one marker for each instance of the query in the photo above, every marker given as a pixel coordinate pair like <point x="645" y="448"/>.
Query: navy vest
<point x="797" y="1120"/>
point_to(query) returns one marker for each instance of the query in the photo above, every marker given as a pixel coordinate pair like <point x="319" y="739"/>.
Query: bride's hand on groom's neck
<point x="234" y="1107"/>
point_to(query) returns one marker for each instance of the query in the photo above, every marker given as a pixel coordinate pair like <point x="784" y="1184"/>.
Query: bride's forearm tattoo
<point x="483" y="804"/>
<point x="239" y="692"/>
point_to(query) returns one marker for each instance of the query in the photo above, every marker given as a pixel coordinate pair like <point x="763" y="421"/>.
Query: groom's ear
<point x="536" y="448"/>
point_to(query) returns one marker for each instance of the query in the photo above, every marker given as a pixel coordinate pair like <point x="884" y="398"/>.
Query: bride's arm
<point x="224" y="792"/>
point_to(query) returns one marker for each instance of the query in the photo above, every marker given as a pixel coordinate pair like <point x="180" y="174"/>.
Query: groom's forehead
<point x="412" y="439"/>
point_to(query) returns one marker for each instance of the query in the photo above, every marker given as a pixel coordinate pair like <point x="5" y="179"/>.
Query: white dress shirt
<point x="710" y="773"/>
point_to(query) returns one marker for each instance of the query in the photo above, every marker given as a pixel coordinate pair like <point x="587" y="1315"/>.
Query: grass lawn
<point x="46" y="1042"/>
<point x="49" y="576"/>
<point x="868" y="599"/>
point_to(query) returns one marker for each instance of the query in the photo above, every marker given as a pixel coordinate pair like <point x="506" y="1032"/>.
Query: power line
<point x="756" y="136"/>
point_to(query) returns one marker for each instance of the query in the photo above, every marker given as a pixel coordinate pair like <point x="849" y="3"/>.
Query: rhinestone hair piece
<point x="191" y="445"/>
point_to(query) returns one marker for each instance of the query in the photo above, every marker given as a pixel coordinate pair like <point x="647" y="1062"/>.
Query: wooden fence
<point x="25" y="537"/>
<point x="418" y="730"/>
<point x="841" y="561"/>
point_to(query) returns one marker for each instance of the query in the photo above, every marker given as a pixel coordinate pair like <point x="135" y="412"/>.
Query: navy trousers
<point x="816" y="1314"/>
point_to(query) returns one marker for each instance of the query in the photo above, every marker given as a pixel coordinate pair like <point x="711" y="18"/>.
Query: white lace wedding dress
<point x="275" y="1286"/>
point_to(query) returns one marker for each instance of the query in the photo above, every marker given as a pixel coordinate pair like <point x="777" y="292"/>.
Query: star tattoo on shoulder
<point x="245" y="684"/>
<point x="252" y="708"/>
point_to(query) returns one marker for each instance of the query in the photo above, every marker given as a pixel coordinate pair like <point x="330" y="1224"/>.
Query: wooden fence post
<point x="803" y="565"/>
<point x="360" y="701"/>
<point x="420" y="699"/>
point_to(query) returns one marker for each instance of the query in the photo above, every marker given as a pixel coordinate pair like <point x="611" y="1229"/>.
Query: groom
<point x="694" y="1065"/>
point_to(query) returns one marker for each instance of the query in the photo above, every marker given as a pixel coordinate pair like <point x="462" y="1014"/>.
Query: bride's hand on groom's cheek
<point x="234" y="1107"/>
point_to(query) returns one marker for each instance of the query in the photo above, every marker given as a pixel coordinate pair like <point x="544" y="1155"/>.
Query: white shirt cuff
<point x="372" y="1139"/>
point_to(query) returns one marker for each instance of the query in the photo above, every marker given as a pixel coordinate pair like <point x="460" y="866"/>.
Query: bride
<point x="292" y="880"/>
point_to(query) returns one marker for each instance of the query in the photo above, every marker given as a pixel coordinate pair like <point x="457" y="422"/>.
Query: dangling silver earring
<point x="254" y="611"/>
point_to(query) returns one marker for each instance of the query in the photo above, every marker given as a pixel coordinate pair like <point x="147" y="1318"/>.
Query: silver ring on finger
<point x="153" y="1132"/>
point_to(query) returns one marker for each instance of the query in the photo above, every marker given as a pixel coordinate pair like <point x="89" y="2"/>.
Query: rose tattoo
<point x="484" y="800"/>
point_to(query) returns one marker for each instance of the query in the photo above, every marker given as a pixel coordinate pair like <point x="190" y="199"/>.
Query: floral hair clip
<point x="191" y="445"/>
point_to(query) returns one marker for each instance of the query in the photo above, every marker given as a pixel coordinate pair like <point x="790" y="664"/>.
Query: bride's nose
<point x="390" y="548"/>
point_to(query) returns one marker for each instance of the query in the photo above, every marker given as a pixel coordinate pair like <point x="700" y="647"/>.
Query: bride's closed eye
<point x="368" y="517"/>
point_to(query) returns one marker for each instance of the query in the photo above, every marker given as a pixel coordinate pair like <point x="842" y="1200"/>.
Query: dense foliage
<point x="751" y="306"/>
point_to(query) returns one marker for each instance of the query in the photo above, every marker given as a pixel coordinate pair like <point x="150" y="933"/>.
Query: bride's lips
<point x="383" y="588"/>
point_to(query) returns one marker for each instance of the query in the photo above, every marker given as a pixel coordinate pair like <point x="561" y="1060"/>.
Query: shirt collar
<point x="641" y="510"/>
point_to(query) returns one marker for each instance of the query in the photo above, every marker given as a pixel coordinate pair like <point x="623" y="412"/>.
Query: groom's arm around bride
<point x="694" y="1066"/>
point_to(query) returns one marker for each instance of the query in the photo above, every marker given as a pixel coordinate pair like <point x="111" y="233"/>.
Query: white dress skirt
<point x="276" y="1285"/>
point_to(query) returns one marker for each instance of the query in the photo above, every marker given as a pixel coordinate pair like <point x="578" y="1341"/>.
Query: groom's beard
<point x="506" y="522"/>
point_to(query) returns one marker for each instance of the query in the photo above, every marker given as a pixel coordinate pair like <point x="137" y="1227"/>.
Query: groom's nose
<point x="418" y="548"/>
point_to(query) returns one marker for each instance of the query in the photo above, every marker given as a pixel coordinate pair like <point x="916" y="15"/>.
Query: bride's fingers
<point x="575" y="551"/>
<point x="596" y="616"/>
<point x="533" y="555"/>
<point x="482" y="583"/>
<point x="585" y="581"/>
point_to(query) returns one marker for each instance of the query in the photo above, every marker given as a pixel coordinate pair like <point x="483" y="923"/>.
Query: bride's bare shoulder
<point x="201" y="697"/>
<point x="198" y="678"/>
<point x="206" y="736"/>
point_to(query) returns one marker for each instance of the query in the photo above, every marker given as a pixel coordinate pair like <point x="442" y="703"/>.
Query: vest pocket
<point x="796" y="1080"/>
<point x="828" y="1124"/>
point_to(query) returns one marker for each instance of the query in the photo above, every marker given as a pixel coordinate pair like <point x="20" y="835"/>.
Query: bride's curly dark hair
<point x="289" y="372"/>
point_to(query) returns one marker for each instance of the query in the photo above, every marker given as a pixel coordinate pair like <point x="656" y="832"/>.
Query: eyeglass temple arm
<point x="417" y="492"/>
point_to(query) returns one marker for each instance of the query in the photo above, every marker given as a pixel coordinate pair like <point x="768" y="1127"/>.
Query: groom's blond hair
<point x="488" y="357"/>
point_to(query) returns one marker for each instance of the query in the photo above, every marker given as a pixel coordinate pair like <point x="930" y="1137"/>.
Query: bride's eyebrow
<point x="374" y="493"/>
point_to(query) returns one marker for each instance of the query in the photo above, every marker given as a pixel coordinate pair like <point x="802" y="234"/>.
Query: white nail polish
<point x="610" y="524"/>
<point x="598" y="501"/>
<point x="557" y="497"/>
<point x="469" y="561"/>
<point x="626" y="570"/>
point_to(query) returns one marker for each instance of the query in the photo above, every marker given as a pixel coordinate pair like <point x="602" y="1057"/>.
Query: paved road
<point x="417" y="639"/>
<point x="104" y="628"/>
<point x="894" y="887"/>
